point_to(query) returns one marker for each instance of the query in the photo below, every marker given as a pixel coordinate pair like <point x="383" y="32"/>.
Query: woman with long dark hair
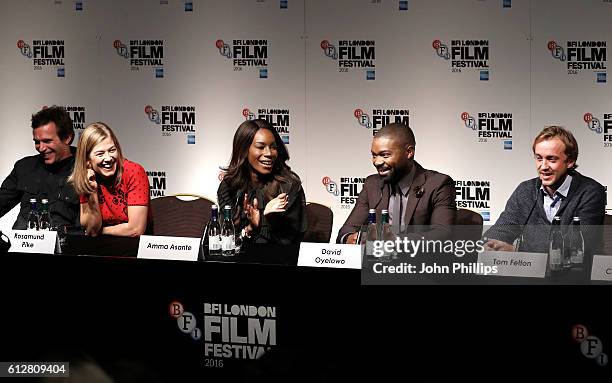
<point x="267" y="199"/>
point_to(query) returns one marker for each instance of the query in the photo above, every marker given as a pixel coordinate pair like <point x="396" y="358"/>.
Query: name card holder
<point x="602" y="268"/>
<point x="33" y="241"/>
<point x="515" y="264"/>
<point x="338" y="256"/>
<point x="168" y="248"/>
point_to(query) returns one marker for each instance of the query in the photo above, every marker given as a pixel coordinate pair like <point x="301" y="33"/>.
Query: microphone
<point x="533" y="205"/>
<point x="239" y="197"/>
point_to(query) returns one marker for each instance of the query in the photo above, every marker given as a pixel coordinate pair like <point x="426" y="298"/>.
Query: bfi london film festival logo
<point x="402" y="4"/>
<point x="379" y="117"/>
<point x="174" y="119"/>
<point x="490" y="127"/>
<point x="246" y="54"/>
<point x="157" y="182"/>
<point x="346" y="191"/>
<point x="474" y="195"/>
<point x="143" y="54"/>
<point x="78" y="5"/>
<point x="229" y="331"/>
<point x="187" y="4"/>
<point x="283" y="4"/>
<point x="582" y="56"/>
<point x="350" y="54"/>
<point x="464" y="55"/>
<point x="278" y="117"/>
<point x="45" y="54"/>
<point x="600" y="127"/>
<point x="591" y="346"/>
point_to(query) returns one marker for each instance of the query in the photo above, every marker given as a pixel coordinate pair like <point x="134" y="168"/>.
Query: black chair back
<point x="320" y="223"/>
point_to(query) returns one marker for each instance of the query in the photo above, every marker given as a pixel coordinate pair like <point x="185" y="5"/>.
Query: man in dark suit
<point x="558" y="191"/>
<point x="421" y="202"/>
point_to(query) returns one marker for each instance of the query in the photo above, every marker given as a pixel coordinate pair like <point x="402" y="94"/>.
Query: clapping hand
<point x="252" y="212"/>
<point x="277" y="205"/>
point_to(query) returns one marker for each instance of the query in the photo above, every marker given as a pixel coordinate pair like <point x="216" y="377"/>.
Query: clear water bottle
<point x="214" y="232"/>
<point x="371" y="233"/>
<point x="576" y="244"/>
<point x="33" y="216"/>
<point x="228" y="233"/>
<point x="386" y="234"/>
<point x="555" y="247"/>
<point x="44" y="222"/>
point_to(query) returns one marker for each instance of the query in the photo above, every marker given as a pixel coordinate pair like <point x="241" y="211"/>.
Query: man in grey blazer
<point x="559" y="190"/>
<point x="421" y="202"/>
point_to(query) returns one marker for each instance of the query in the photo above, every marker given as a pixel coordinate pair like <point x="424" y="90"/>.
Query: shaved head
<point x="401" y="134"/>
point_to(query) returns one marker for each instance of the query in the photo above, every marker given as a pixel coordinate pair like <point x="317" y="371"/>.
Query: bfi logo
<point x="590" y="345"/>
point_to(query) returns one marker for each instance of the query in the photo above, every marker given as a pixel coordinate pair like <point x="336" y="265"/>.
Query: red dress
<point x="132" y="191"/>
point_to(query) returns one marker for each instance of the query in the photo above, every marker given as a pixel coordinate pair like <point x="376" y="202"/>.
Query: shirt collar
<point x="406" y="181"/>
<point x="563" y="190"/>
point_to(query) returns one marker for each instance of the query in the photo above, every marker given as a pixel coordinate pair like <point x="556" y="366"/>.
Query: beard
<point x="396" y="173"/>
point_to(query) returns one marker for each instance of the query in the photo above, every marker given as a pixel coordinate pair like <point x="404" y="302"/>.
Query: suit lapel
<point x="417" y="184"/>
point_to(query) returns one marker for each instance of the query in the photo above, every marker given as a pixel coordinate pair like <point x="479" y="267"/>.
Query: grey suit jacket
<point x="525" y="212"/>
<point x="430" y="211"/>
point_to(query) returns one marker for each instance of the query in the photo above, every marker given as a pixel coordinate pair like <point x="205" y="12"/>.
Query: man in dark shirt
<point x="43" y="176"/>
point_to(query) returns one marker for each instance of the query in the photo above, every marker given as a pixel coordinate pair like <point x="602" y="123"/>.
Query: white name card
<point x="32" y="241"/>
<point x="169" y="248"/>
<point x="513" y="264"/>
<point x="602" y="268"/>
<point x="339" y="256"/>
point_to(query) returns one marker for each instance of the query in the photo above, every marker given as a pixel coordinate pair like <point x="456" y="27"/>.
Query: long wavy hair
<point x="238" y="173"/>
<point x="92" y="136"/>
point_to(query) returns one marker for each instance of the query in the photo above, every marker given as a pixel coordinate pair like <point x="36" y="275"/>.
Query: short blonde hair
<point x="92" y="136"/>
<point x="571" y="145"/>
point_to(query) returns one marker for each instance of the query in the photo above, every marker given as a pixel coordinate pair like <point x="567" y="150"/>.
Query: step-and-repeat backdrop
<point x="475" y="79"/>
